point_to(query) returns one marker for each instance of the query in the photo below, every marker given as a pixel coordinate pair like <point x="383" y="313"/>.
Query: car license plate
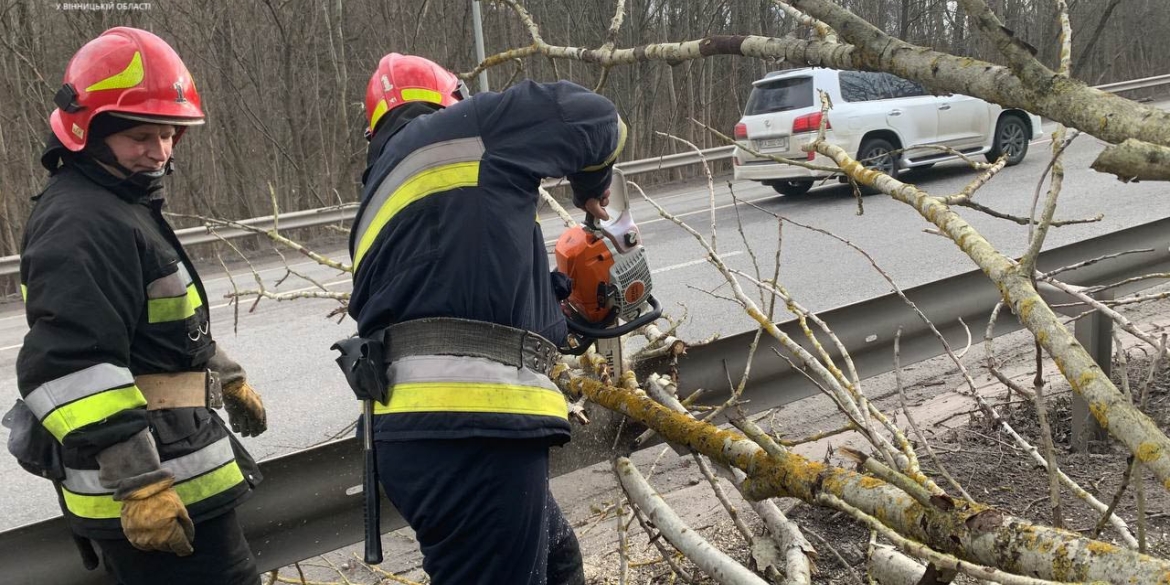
<point x="772" y="144"/>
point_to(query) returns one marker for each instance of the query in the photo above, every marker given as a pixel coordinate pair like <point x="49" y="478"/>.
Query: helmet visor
<point x="159" y="119"/>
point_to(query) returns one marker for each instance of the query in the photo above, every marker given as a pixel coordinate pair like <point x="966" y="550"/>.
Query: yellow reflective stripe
<point x="174" y="308"/>
<point x="428" y="182"/>
<point x="421" y="95"/>
<point x="91" y="409"/>
<point x="73" y="387"/>
<point x="379" y="111"/>
<point x="95" y="507"/>
<point x="474" y="397"/>
<point x="431" y="156"/>
<point x="131" y="76"/>
<point x="617" y="151"/>
<point x="205" y="486"/>
<point x="23" y="292"/>
<point x="190" y="492"/>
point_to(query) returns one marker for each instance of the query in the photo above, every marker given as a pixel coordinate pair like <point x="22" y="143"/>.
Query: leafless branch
<point x="914" y="425"/>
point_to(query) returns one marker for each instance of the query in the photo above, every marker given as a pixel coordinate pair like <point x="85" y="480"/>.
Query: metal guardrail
<point x="343" y="213"/>
<point x="867" y="328"/>
<point x="1134" y="84"/>
<point x="671" y="161"/>
<point x="286" y="221"/>
<point x="302" y="509"/>
<point x="325" y="216"/>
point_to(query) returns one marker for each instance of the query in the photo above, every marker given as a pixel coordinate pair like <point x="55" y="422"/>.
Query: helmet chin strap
<point x="102" y="153"/>
<point x="149" y="179"/>
<point x="166" y="169"/>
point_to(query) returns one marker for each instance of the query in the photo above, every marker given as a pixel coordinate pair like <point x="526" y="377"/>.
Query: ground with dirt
<point x="977" y="453"/>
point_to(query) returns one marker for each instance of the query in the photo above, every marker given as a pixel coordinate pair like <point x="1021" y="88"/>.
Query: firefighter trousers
<point x="481" y="510"/>
<point x="221" y="556"/>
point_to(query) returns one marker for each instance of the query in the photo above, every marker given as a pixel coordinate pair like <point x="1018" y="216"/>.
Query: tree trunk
<point x="972" y="532"/>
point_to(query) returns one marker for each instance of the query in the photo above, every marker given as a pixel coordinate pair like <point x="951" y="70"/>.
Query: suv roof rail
<point x="783" y="73"/>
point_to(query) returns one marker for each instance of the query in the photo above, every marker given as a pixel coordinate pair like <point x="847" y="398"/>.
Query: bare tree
<point x="282" y="82"/>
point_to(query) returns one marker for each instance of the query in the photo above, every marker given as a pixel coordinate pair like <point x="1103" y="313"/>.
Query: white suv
<point x="873" y="115"/>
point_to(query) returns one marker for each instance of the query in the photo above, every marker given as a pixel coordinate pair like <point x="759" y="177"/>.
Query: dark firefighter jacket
<point x="110" y="295"/>
<point x="446" y="228"/>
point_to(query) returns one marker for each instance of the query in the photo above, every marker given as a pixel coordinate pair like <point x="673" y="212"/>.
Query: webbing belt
<point x="180" y="390"/>
<point x="465" y="337"/>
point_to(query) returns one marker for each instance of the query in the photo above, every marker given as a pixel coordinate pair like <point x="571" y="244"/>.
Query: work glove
<point x="154" y="518"/>
<point x="244" y="408"/>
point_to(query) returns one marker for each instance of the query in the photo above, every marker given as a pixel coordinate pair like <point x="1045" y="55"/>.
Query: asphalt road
<point x="284" y="345"/>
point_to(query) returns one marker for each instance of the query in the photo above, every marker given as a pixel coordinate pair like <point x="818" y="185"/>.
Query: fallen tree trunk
<point x="972" y="532"/>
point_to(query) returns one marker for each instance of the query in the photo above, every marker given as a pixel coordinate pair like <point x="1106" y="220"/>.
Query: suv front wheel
<point x="1011" y="140"/>
<point x="792" y="188"/>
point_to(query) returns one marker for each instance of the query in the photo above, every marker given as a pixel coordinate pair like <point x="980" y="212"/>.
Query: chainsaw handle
<point x="591" y="221"/>
<point x="583" y="345"/>
<point x="607" y="333"/>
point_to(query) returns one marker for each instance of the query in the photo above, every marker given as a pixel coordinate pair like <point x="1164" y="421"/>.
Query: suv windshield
<point x="780" y="95"/>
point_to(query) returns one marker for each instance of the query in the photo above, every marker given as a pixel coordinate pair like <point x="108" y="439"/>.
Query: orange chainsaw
<point x="610" y="295"/>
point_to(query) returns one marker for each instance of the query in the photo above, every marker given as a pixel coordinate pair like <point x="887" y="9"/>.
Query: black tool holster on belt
<point x="39" y="453"/>
<point x="35" y="449"/>
<point x="364" y="364"/>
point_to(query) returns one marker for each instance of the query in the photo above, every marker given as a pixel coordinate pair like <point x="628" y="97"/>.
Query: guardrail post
<point x="1095" y="333"/>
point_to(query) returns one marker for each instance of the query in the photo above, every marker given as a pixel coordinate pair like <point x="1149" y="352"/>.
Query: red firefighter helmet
<point x="129" y="73"/>
<point x="400" y="79"/>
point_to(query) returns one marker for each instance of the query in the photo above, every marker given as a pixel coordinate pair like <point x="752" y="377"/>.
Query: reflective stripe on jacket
<point x="445" y="229"/>
<point x="109" y="295"/>
<point x="199" y="475"/>
<point x="453" y="397"/>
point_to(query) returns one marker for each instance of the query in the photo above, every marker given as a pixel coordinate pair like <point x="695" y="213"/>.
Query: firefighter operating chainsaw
<point x="608" y="295"/>
<point x="610" y="279"/>
<point x="459" y="321"/>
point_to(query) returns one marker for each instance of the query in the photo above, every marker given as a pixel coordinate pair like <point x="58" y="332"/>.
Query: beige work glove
<point x="154" y="518"/>
<point x="245" y="409"/>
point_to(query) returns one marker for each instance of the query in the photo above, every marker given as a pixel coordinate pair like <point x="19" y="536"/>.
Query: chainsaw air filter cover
<point x="605" y="278"/>
<point x="587" y="260"/>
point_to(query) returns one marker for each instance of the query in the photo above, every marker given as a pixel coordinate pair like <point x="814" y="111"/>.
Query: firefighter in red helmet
<point x="451" y="275"/>
<point x="119" y="371"/>
<point x="401" y="79"/>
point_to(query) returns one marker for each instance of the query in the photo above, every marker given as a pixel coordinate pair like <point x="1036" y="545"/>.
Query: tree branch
<point x="711" y="560"/>
<point x="1112" y="411"/>
<point x="976" y="533"/>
